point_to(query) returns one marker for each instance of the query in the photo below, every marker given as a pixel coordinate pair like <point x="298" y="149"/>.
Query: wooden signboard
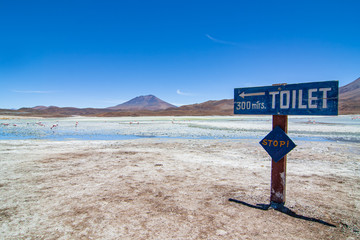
<point x="281" y="100"/>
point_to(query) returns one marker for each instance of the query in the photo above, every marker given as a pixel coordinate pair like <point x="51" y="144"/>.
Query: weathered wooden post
<point x="278" y="169"/>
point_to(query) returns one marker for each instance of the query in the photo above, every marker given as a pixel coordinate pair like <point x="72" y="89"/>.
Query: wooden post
<point x="278" y="169"/>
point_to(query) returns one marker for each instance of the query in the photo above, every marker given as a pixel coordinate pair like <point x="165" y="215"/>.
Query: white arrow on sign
<point x="243" y="95"/>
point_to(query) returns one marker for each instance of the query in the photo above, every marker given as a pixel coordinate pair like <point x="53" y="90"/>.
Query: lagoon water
<point x="333" y="128"/>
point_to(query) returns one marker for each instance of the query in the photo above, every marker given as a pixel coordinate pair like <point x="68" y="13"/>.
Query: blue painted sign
<point x="316" y="98"/>
<point x="277" y="144"/>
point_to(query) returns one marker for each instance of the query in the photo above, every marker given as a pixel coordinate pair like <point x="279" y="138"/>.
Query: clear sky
<point x="101" y="53"/>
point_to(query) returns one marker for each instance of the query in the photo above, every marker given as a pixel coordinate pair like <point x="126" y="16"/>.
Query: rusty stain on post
<point x="278" y="169"/>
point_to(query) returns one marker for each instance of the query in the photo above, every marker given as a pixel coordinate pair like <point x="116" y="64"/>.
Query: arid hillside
<point x="349" y="103"/>
<point x="350" y="98"/>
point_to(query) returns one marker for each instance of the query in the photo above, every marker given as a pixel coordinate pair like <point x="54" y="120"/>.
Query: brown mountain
<point x="149" y="102"/>
<point x="40" y="107"/>
<point x="351" y="89"/>
<point x="349" y="98"/>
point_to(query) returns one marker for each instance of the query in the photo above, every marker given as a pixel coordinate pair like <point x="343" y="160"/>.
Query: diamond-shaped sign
<point x="277" y="144"/>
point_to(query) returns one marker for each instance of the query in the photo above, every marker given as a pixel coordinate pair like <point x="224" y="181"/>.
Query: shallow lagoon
<point x="333" y="128"/>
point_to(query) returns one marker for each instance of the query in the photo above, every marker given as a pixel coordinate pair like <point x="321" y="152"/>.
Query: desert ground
<point x="151" y="178"/>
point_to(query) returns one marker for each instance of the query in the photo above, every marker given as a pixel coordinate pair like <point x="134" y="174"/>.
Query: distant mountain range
<point x="149" y="105"/>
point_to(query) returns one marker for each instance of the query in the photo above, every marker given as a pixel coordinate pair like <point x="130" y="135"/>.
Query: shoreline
<point x="340" y="128"/>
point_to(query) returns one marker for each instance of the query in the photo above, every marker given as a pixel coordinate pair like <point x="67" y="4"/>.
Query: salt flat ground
<point x="176" y="187"/>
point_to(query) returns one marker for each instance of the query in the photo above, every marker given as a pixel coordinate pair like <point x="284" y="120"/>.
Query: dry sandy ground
<point x="174" y="189"/>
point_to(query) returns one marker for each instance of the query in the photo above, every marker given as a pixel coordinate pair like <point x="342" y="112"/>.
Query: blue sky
<point x="102" y="53"/>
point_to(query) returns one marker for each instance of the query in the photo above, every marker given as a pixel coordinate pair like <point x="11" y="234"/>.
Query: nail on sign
<point x="277" y="144"/>
<point x="316" y="98"/>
